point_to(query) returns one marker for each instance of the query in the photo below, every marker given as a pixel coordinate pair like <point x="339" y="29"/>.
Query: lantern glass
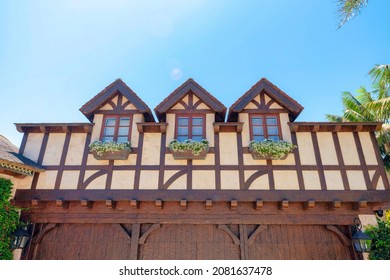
<point x="361" y="241"/>
<point x="20" y="238"/>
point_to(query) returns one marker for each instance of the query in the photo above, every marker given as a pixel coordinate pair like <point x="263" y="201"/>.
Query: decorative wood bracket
<point x="209" y="204"/>
<point x="258" y="230"/>
<point x="335" y="205"/>
<point x="86" y="203"/>
<point x="152" y="127"/>
<point x="134" y="204"/>
<point x="259" y="204"/>
<point x="233" y="204"/>
<point x="110" y="204"/>
<point x="183" y="204"/>
<point x="143" y="238"/>
<point x="235" y="239"/>
<point x="159" y="203"/>
<point x="343" y="238"/>
<point x="360" y="205"/>
<point x="36" y="203"/>
<point x="62" y="203"/>
<point x="310" y="204"/>
<point x="283" y="205"/>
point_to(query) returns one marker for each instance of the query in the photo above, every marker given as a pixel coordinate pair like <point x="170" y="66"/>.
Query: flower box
<point x="111" y="155"/>
<point x="271" y="150"/>
<point x="189" y="149"/>
<point x="189" y="155"/>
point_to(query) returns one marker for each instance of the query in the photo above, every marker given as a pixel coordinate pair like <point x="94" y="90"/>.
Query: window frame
<point x="116" y="129"/>
<point x="190" y="125"/>
<point x="264" y="124"/>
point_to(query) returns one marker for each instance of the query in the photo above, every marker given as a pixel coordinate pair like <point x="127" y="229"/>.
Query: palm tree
<point x="348" y="9"/>
<point x="371" y="106"/>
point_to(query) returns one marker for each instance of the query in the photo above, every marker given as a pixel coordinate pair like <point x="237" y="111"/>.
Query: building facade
<point x="228" y="204"/>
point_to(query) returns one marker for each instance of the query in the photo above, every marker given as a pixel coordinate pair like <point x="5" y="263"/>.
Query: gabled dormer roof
<point x="265" y="86"/>
<point x="117" y="87"/>
<point x="190" y="86"/>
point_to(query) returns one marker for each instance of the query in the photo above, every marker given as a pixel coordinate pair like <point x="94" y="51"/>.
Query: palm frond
<point x="347" y="9"/>
<point x="380" y="75"/>
<point x="334" y="118"/>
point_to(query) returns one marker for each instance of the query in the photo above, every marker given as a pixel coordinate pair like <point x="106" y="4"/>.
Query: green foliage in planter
<point x="196" y="147"/>
<point x="110" y="146"/>
<point x="380" y="248"/>
<point x="9" y="219"/>
<point x="271" y="149"/>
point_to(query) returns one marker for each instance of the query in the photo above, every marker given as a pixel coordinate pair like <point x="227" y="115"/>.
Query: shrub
<point x="380" y="249"/>
<point x="271" y="149"/>
<point x="196" y="147"/>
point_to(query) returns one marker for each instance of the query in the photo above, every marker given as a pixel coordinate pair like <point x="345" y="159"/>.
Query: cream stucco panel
<point x="33" y="146"/>
<point x="169" y="160"/>
<point x="311" y="180"/>
<point x="230" y="180"/>
<point x="210" y="119"/>
<point x="178" y="106"/>
<point x="92" y="161"/>
<point x="248" y="160"/>
<point x="76" y="149"/>
<point x="305" y="147"/>
<point x="209" y="160"/>
<point x="334" y="180"/>
<point x="149" y="180"/>
<point x="266" y="98"/>
<point x="327" y="148"/>
<point x="348" y="148"/>
<point x="54" y="149"/>
<point x="106" y="107"/>
<point x="47" y="180"/>
<point x="368" y="149"/>
<point x="151" y="149"/>
<point x="286" y="180"/>
<point x="228" y="148"/>
<point x="290" y="160"/>
<point x="130" y="107"/>
<point x="179" y="184"/>
<point x="203" y="180"/>
<point x="69" y="180"/>
<point x="286" y="134"/>
<point x="245" y="129"/>
<point x="356" y="180"/>
<point x="134" y="131"/>
<point x="19" y="183"/>
<point x="170" y="128"/>
<point x="250" y="105"/>
<point x="98" y="184"/>
<point x="97" y="128"/>
<point x="275" y="106"/>
<point x="132" y="159"/>
<point x="261" y="183"/>
<point x="123" y="180"/>
<point x="202" y="106"/>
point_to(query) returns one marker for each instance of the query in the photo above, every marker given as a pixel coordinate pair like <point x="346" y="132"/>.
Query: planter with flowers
<point x="110" y="150"/>
<point x="189" y="149"/>
<point x="269" y="149"/>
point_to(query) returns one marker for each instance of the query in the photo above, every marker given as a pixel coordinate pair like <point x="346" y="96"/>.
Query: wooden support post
<point x="135" y="231"/>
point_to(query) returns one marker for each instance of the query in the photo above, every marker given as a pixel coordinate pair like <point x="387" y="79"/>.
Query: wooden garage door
<point x="186" y="241"/>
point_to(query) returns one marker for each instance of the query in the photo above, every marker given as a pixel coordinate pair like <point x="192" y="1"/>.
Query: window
<point x="190" y="127"/>
<point x="116" y="128"/>
<point x="265" y="127"/>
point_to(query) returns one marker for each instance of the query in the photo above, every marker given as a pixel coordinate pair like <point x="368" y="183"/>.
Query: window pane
<point x="258" y="130"/>
<point x="123" y="131"/>
<point x="197" y="121"/>
<point x="182" y="130"/>
<point x="258" y="138"/>
<point x="182" y="121"/>
<point x="110" y="121"/>
<point x="272" y="130"/>
<point x="271" y="121"/>
<point x="122" y="139"/>
<point x="109" y="131"/>
<point x="198" y="130"/>
<point x="124" y="122"/>
<point x="197" y="138"/>
<point x="274" y="137"/>
<point x="257" y="121"/>
<point x="107" y="139"/>
<point x="182" y="138"/>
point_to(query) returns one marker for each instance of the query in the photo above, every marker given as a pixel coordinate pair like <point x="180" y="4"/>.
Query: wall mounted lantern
<point x="361" y="241"/>
<point x="20" y="238"/>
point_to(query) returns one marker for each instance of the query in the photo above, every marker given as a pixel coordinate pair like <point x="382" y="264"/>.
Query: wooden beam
<point x="62" y="203"/>
<point x="143" y="238"/>
<point x="360" y="205"/>
<point x="343" y="238"/>
<point x="335" y="205"/>
<point x="134" y="203"/>
<point x="259" y="204"/>
<point x="183" y="204"/>
<point x="283" y="205"/>
<point x="159" y="203"/>
<point x="86" y="203"/>
<point x="310" y="204"/>
<point x="235" y="239"/>
<point x="258" y="230"/>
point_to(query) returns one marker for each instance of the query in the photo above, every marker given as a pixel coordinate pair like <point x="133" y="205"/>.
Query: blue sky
<point x="56" y="55"/>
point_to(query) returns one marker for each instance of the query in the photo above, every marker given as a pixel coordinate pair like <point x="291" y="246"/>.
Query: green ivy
<point x="271" y="149"/>
<point x="9" y="219"/>
<point x="380" y="248"/>
<point x="110" y="146"/>
<point x="196" y="147"/>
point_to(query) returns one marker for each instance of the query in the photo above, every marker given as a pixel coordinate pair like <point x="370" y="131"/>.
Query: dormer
<point x="115" y="112"/>
<point x="190" y="111"/>
<point x="265" y="111"/>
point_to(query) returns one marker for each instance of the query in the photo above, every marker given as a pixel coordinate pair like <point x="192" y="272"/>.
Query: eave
<point x="334" y="127"/>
